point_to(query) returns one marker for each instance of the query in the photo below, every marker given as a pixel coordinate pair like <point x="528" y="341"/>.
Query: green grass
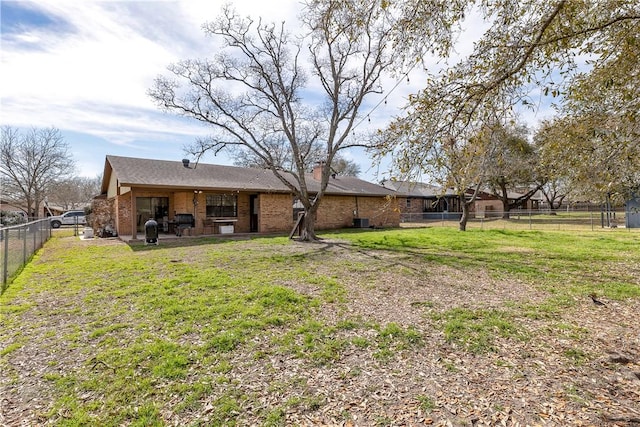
<point x="164" y="327"/>
<point x="477" y="330"/>
<point x="569" y="263"/>
<point x="392" y="339"/>
<point x="427" y="404"/>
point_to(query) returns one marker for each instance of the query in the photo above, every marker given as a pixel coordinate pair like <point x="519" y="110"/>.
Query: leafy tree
<point x="553" y="176"/>
<point x="459" y="164"/>
<point x="530" y="47"/>
<point x="513" y="168"/>
<point x="253" y="92"/>
<point x="601" y="116"/>
<point x="595" y="155"/>
<point x="30" y="163"/>
<point x="555" y="191"/>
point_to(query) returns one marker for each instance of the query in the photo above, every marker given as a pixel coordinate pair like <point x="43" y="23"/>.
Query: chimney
<point x="185" y="163"/>
<point x="317" y="171"/>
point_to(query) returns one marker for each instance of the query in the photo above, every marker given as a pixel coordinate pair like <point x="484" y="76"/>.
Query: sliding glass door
<point x="151" y="207"/>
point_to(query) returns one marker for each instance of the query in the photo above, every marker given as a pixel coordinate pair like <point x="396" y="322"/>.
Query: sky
<point x="84" y="67"/>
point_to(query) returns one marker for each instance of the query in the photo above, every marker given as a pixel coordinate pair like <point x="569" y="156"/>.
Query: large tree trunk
<point x="554" y="201"/>
<point x="465" y="214"/>
<point x="506" y="209"/>
<point x="31" y="209"/>
<point x="308" y="230"/>
<point x="504" y="196"/>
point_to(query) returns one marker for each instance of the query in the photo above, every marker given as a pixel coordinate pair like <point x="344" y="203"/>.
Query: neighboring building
<point x="419" y="201"/>
<point x="42" y="211"/>
<point x="221" y="199"/>
<point x="489" y="205"/>
<point x="425" y="201"/>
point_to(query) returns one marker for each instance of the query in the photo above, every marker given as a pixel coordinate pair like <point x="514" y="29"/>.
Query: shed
<point x="632" y="213"/>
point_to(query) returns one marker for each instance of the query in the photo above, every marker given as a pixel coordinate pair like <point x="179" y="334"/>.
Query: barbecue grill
<point x="184" y="221"/>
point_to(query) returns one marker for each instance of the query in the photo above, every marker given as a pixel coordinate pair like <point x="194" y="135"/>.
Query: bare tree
<point x="75" y="192"/>
<point x="30" y="164"/>
<point x="282" y="158"/>
<point x="252" y="92"/>
<point x="345" y="167"/>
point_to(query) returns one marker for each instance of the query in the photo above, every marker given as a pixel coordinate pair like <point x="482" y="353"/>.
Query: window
<point x="222" y="205"/>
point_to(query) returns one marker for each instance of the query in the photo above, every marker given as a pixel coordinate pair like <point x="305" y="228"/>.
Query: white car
<point x="68" y="218"/>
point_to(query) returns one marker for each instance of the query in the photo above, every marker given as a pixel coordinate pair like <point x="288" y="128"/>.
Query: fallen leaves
<point x="580" y="368"/>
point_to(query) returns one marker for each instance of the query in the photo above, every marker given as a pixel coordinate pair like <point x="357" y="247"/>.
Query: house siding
<point x="113" y="186"/>
<point x="381" y="211"/>
<point x="182" y="203"/>
<point x="412" y="205"/>
<point x="122" y="207"/>
<point x="243" y="224"/>
<point x="339" y="211"/>
<point x="488" y="208"/>
<point x="187" y="190"/>
<point x="275" y="212"/>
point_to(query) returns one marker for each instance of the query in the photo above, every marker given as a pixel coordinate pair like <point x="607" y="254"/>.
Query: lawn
<point x="367" y="327"/>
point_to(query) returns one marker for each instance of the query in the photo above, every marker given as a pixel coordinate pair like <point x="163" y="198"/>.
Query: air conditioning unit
<point x="361" y="222"/>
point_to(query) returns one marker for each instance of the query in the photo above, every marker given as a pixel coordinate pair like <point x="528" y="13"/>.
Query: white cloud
<point x="87" y="72"/>
<point x="100" y="54"/>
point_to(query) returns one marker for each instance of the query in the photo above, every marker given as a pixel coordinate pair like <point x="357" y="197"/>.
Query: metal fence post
<point x="24" y="246"/>
<point x="5" y="265"/>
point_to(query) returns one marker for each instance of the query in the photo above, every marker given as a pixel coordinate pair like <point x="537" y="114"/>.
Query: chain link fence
<point x="17" y="245"/>
<point x="524" y="220"/>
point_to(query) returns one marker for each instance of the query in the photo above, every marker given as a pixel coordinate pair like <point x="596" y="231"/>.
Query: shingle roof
<point x="420" y="189"/>
<point x="415" y="189"/>
<point x="172" y="174"/>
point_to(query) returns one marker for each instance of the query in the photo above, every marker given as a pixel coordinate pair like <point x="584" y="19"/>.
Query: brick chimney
<point x="317" y="171"/>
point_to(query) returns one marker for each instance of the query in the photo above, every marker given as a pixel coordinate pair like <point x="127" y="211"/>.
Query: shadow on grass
<point x="169" y="241"/>
<point x="183" y="242"/>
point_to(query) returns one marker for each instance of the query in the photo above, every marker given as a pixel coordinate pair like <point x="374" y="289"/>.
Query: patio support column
<point x="134" y="215"/>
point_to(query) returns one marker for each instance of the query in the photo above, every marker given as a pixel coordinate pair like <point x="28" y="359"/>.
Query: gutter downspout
<point x="134" y="216"/>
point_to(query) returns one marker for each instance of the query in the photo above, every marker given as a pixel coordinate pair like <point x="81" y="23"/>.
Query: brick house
<point x="225" y="199"/>
<point x="420" y="201"/>
<point x="425" y="201"/>
<point x="491" y="206"/>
